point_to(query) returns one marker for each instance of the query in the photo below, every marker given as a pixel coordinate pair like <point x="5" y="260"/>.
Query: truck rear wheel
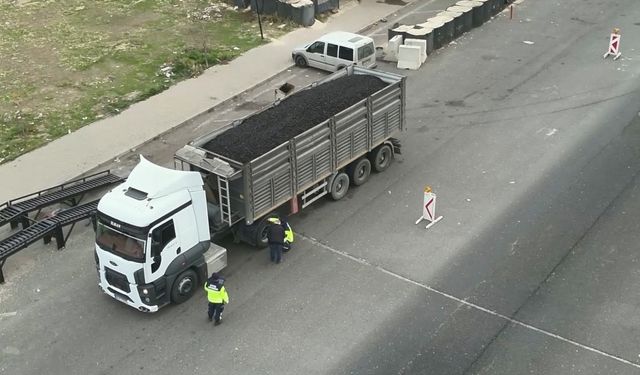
<point x="359" y="171"/>
<point x="184" y="286"/>
<point x="381" y="157"/>
<point x="339" y="186"/>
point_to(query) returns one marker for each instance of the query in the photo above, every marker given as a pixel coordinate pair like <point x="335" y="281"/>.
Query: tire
<point x="261" y="233"/>
<point x="380" y="158"/>
<point x="184" y="286"/>
<point x="359" y="171"/>
<point x="339" y="186"/>
<point x="301" y="61"/>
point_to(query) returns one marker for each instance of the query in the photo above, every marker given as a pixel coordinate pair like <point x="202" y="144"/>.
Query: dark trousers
<point x="215" y="311"/>
<point x="276" y="252"/>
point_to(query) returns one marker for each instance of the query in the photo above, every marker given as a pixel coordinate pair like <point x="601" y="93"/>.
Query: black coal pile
<point x="264" y="131"/>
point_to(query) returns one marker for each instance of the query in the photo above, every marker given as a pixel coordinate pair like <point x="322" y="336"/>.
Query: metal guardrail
<point x="17" y="210"/>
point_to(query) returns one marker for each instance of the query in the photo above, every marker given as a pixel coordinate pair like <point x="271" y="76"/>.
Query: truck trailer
<point x="324" y="158"/>
<point x="155" y="232"/>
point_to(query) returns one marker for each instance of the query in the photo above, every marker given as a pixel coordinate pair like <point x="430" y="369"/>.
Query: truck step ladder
<point x="46" y="229"/>
<point x="225" y="200"/>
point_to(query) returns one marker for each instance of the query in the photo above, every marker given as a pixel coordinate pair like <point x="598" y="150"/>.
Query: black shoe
<point x="217" y="323"/>
<point x="210" y="318"/>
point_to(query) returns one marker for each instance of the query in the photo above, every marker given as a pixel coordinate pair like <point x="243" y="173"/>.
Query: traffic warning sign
<point x="429" y="208"/>
<point x="614" y="45"/>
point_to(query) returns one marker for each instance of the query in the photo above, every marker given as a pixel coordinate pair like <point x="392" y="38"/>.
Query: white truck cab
<point x="152" y="238"/>
<point x="335" y="51"/>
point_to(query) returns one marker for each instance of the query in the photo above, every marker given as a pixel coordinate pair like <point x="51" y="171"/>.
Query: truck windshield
<point x="119" y="243"/>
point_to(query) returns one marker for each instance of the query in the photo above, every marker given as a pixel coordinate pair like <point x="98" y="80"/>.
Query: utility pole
<point x="259" y="20"/>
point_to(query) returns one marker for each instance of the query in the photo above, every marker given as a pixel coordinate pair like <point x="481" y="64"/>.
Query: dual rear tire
<point x="358" y="172"/>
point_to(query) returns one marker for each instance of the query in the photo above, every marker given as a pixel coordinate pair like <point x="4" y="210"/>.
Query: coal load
<point x="264" y="131"/>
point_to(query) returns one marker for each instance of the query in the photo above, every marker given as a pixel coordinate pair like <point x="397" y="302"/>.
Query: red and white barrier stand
<point x="614" y="45"/>
<point x="429" y="208"/>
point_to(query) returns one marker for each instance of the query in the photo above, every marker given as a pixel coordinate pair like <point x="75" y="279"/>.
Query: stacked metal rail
<point x="17" y="211"/>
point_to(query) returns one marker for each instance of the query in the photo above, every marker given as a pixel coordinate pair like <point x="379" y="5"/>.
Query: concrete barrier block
<point x="391" y="52"/>
<point x="409" y="57"/>
<point x="420" y="43"/>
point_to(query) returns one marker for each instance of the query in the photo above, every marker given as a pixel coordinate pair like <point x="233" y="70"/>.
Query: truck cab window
<point x="317" y="47"/>
<point x="160" y="237"/>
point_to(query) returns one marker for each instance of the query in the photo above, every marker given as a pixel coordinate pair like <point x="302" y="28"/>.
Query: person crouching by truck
<point x="217" y="296"/>
<point x="275" y="237"/>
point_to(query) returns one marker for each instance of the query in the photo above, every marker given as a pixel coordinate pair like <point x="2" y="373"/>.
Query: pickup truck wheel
<point x="339" y="186"/>
<point x="301" y="61"/>
<point x="381" y="158"/>
<point x="184" y="286"/>
<point x="359" y="171"/>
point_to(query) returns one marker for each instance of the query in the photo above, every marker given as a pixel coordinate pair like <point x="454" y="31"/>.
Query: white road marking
<point x="466" y="303"/>
<point x="547" y="131"/>
<point x="8" y="314"/>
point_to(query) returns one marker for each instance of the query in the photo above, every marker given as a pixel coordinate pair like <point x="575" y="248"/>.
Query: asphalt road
<point x="533" y="150"/>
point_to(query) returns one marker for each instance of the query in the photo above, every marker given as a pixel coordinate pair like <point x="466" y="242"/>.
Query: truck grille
<point x="117" y="279"/>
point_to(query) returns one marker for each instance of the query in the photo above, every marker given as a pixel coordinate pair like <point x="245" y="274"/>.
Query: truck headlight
<point x="145" y="291"/>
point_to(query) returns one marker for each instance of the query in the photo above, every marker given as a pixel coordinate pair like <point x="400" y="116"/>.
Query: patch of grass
<point x="68" y="63"/>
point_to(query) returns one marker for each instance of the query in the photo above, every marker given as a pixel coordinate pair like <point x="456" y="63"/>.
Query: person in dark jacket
<point x="217" y="297"/>
<point x="275" y="236"/>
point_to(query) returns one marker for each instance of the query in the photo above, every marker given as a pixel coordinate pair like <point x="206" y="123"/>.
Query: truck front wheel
<point x="184" y="286"/>
<point x="381" y="158"/>
<point x="339" y="186"/>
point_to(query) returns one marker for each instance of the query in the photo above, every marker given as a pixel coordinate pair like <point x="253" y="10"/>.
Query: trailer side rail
<point x="275" y="177"/>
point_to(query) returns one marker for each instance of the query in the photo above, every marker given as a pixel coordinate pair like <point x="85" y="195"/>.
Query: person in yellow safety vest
<point x="288" y="236"/>
<point x="217" y="296"/>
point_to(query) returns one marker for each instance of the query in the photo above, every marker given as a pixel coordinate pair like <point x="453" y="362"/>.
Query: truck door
<point x="163" y="249"/>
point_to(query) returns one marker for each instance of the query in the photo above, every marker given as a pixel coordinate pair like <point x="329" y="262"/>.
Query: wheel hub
<point x="185" y="286"/>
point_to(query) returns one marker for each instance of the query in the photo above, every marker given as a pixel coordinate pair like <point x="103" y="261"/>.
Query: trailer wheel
<point x="381" y="158"/>
<point x="184" y="286"/>
<point x="339" y="186"/>
<point x="301" y="61"/>
<point x="359" y="171"/>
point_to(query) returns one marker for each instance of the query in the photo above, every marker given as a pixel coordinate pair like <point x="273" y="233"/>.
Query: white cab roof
<point x="149" y="193"/>
<point x="159" y="181"/>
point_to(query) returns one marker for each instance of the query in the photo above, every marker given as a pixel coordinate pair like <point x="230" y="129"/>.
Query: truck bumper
<point x="131" y="298"/>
